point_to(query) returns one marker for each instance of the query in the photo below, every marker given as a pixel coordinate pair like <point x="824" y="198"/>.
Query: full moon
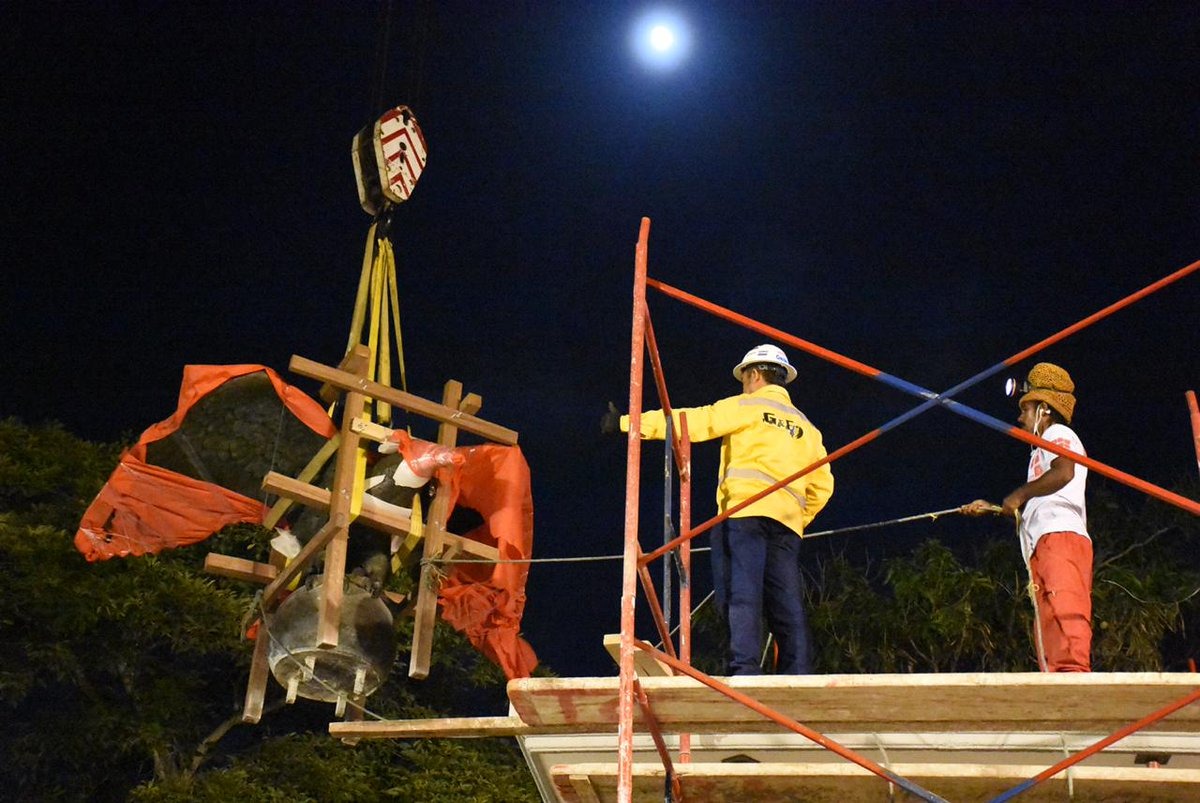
<point x="661" y="39"/>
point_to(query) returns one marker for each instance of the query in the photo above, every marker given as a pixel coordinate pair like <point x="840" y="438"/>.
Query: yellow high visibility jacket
<point x="764" y="439"/>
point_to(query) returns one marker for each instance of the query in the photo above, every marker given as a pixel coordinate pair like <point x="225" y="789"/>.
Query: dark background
<point x="927" y="188"/>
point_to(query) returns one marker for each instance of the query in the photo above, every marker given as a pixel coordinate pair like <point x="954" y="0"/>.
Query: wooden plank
<point x="1004" y="702"/>
<point x="448" y="727"/>
<point x="643" y="662"/>
<point x="425" y="612"/>
<point x="353" y="363"/>
<point x="256" y="686"/>
<point x="371" y="431"/>
<point x="829" y="782"/>
<point x="344" y="505"/>
<point x="239" y="568"/>
<point x="442" y="413"/>
<point x="581" y="786"/>
<point x="375" y="512"/>
<point x="254" y="572"/>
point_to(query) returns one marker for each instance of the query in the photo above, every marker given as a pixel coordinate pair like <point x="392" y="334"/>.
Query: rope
<point x="933" y="516"/>
<point x="1032" y="588"/>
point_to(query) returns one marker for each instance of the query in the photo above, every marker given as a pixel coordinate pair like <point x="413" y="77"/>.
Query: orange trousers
<point x="1061" y="567"/>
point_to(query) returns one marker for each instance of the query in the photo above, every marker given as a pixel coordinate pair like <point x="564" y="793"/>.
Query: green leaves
<point x="928" y="612"/>
<point x="120" y="679"/>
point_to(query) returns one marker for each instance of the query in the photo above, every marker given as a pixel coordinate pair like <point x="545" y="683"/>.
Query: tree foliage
<point x="936" y="610"/>
<point x="124" y="679"/>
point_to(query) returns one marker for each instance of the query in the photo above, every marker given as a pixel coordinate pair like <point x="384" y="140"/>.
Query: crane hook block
<point x="389" y="156"/>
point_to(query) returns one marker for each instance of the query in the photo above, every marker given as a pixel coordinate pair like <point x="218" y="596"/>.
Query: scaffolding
<point x="635" y="561"/>
<point x="1030" y="715"/>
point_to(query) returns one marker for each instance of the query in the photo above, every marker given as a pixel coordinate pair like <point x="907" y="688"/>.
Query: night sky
<point x="927" y="188"/>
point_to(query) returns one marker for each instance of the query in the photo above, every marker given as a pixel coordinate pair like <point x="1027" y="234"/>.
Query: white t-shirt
<point x="1065" y="509"/>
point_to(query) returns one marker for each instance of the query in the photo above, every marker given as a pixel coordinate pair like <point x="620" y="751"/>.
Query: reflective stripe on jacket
<point x="764" y="439"/>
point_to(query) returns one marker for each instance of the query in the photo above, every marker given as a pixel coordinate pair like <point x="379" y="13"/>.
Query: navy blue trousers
<point x="756" y="571"/>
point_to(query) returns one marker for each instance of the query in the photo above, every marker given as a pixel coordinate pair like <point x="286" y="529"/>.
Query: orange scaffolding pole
<point x="933" y="399"/>
<point x="673" y="785"/>
<point x="629" y="571"/>
<point x="1194" y="414"/>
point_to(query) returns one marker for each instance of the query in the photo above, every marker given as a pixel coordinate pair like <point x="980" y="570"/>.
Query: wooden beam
<point x="352" y="363"/>
<point x="425" y="612"/>
<point x="442" y="413"/>
<point x="344" y="504"/>
<point x="371" y="431"/>
<point x="582" y="786"/>
<point x="253" y="572"/>
<point x="643" y="662"/>
<point x="239" y="568"/>
<point x="314" y="465"/>
<point x="449" y="727"/>
<point x="375" y="513"/>
<point x="935" y="703"/>
<point x="256" y="686"/>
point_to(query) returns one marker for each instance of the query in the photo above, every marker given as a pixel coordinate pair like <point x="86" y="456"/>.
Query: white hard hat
<point x="768" y="354"/>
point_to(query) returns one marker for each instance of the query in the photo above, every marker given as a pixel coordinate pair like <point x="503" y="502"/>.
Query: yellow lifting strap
<point x="376" y="319"/>
<point x="416" y="532"/>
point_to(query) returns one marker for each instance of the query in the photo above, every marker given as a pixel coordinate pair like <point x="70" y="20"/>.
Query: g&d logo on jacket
<point x="791" y="426"/>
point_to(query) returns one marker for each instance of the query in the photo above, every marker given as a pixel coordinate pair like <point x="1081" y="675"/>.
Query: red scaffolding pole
<point x="629" y="572"/>
<point x="635" y="568"/>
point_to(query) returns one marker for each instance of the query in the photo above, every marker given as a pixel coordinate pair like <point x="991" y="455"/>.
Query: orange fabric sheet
<point x="485" y="601"/>
<point x="144" y="508"/>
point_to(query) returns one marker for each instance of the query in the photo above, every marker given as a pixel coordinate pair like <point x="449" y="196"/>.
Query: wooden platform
<point x="966" y="737"/>
<point x="1013" y="702"/>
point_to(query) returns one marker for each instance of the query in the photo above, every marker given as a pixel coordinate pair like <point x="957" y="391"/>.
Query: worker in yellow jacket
<point x="755" y="552"/>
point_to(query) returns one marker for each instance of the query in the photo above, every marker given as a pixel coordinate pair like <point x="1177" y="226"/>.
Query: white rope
<point x="1039" y="645"/>
<point x="933" y="516"/>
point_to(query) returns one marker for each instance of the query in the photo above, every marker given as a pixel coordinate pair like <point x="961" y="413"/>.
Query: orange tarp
<point x="144" y="508"/>
<point x="485" y="601"/>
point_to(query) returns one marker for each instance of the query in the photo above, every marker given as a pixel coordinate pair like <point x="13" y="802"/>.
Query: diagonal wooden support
<point x="293" y="569"/>
<point x="427" y="587"/>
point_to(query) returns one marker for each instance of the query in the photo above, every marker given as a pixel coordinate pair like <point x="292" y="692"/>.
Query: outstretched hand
<point x="979" y="507"/>
<point x="610" y="422"/>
